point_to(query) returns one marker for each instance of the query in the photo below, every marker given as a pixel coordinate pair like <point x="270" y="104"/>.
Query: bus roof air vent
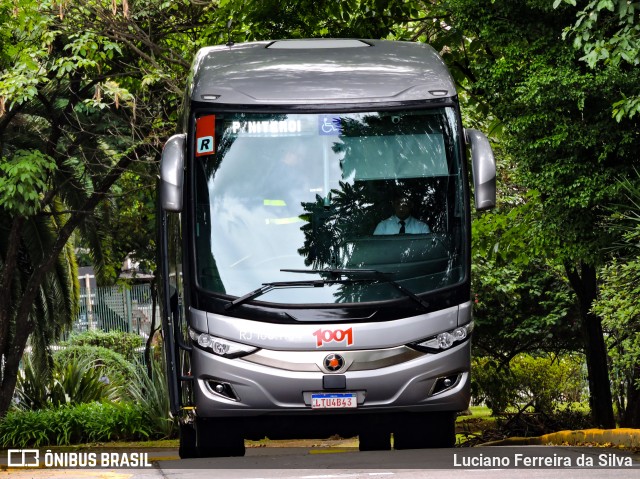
<point x="316" y="43"/>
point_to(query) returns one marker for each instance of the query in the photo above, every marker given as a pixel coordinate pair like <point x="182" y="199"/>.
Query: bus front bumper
<point x="271" y="383"/>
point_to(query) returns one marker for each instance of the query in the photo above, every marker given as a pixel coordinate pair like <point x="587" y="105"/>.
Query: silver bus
<point x="314" y="246"/>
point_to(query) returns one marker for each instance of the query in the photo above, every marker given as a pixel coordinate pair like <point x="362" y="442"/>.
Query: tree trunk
<point x="12" y="357"/>
<point x="584" y="284"/>
<point x="631" y="415"/>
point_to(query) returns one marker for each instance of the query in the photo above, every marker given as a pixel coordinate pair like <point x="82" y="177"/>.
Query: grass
<point x="469" y="425"/>
<point x="133" y="445"/>
<point x="476" y="412"/>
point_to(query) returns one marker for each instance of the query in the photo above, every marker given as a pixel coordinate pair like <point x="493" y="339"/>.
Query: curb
<point x="617" y="437"/>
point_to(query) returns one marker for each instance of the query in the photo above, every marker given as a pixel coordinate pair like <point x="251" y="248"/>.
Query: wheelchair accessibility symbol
<point x="329" y="125"/>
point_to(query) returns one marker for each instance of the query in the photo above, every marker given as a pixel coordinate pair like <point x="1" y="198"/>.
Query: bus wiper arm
<point x="365" y="275"/>
<point x="266" y="287"/>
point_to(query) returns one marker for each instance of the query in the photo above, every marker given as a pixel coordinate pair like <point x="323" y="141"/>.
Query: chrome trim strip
<point x="313" y="361"/>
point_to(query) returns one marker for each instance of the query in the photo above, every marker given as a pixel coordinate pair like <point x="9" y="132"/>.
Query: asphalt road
<point x="532" y="462"/>
<point x="479" y="463"/>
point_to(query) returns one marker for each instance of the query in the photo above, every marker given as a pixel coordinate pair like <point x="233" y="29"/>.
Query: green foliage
<point x="523" y="303"/>
<point x="70" y="407"/>
<point x="558" y="128"/>
<point x="74" y="424"/>
<point x="541" y="382"/>
<point x="608" y="33"/>
<point x="522" y="308"/>
<point x="565" y="146"/>
<point x="546" y="381"/>
<point x="619" y="306"/>
<point x="492" y="384"/>
<point x="74" y="382"/>
<point x="131" y="218"/>
<point x="23" y="178"/>
<point x="118" y="341"/>
<point x="79" y="382"/>
<point x="152" y="393"/>
<point x="113" y="365"/>
<point x="271" y="19"/>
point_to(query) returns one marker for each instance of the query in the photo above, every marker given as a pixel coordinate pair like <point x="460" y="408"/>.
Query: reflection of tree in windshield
<point x="328" y="226"/>
<point x="327" y="230"/>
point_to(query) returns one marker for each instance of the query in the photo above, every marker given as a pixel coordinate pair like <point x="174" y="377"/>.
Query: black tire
<point x="374" y="441"/>
<point x="374" y="434"/>
<point x="187" y="448"/>
<point x="425" y="431"/>
<point x="218" y="437"/>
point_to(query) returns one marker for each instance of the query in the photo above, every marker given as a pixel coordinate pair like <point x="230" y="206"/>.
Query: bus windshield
<point x="378" y="191"/>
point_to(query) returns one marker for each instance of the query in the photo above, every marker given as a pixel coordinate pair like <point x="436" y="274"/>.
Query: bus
<point x="314" y="246"/>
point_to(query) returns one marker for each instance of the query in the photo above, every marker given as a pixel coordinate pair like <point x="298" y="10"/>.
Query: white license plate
<point x="334" y="401"/>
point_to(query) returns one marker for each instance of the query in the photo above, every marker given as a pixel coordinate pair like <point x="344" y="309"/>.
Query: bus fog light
<point x="445" y="383"/>
<point x="222" y="389"/>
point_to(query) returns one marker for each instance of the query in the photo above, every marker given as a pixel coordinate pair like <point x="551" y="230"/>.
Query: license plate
<point x="334" y="401"/>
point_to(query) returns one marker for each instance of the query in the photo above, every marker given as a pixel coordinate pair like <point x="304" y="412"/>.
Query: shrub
<point x="77" y="381"/>
<point x="114" y="364"/>
<point x="153" y="394"/>
<point x="541" y="382"/>
<point x="73" y="424"/>
<point x="546" y="381"/>
<point x="492" y="384"/>
<point x="117" y="341"/>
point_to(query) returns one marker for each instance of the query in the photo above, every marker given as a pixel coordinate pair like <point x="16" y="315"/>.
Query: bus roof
<point x="319" y="71"/>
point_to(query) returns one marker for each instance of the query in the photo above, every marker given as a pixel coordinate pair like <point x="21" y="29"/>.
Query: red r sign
<point x="205" y="134"/>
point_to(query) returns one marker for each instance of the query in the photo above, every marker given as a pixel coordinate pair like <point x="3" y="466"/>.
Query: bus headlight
<point x="445" y="340"/>
<point x="219" y="346"/>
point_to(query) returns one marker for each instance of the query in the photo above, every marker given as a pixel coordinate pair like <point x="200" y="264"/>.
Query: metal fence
<point x="119" y="308"/>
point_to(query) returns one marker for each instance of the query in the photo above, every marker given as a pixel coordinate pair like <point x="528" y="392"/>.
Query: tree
<point x="55" y="300"/>
<point x="87" y="91"/>
<point x="559" y="131"/>
<point x="620" y="309"/>
<point x="521" y="307"/>
<point x="608" y="33"/>
<point x="271" y="19"/>
<point x="523" y="302"/>
<point x="619" y="306"/>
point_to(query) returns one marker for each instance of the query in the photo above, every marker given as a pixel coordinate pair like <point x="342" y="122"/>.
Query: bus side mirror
<point x="483" y="167"/>
<point x="172" y="173"/>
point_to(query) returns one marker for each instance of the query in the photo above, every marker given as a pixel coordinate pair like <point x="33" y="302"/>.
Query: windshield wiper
<point x="365" y="275"/>
<point x="266" y="287"/>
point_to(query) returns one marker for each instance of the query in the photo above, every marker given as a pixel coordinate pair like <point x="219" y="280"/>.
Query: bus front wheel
<point x="218" y="437"/>
<point x="187" y="448"/>
<point x="374" y="441"/>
